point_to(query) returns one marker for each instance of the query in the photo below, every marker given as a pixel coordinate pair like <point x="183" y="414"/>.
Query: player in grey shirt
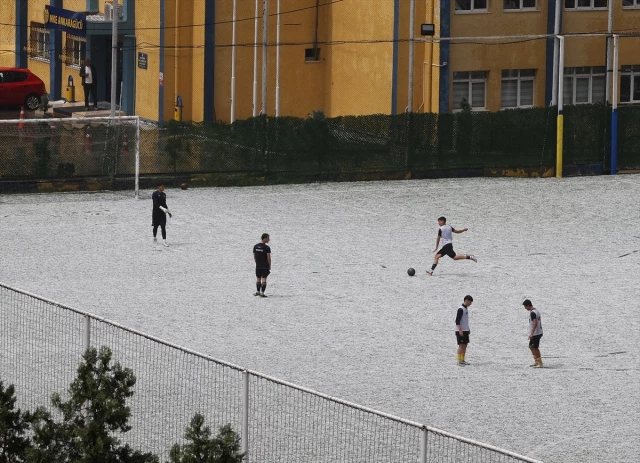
<point x="445" y="235"/>
<point x="535" y="332"/>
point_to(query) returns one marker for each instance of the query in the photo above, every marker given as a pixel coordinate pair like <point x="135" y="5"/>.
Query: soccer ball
<point x="184" y="186"/>
<point x="411" y="272"/>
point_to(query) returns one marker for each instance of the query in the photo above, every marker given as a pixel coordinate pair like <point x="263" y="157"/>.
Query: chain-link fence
<point x="41" y="343"/>
<point x="100" y="153"/>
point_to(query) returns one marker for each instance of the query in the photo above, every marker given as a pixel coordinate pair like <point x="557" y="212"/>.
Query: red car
<point x="21" y="87"/>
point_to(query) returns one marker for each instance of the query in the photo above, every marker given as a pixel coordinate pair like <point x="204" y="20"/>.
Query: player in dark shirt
<point x="159" y="213"/>
<point x="262" y="257"/>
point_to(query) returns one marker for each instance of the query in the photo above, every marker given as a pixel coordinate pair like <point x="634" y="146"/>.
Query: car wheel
<point x="32" y="102"/>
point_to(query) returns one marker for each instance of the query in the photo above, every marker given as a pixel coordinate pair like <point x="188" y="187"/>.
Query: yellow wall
<point x="147" y="40"/>
<point x="496" y="58"/>
<point x="360" y="74"/>
<point x="7" y="33"/>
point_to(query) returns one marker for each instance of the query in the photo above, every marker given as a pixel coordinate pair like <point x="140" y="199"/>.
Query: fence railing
<point x="289" y="149"/>
<point x="42" y="341"/>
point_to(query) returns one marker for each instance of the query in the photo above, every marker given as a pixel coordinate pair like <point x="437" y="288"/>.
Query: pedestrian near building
<point x="89" y="83"/>
<point x="159" y="213"/>
<point x="445" y="236"/>
<point x="462" y="329"/>
<point x="262" y="258"/>
<point x="535" y="333"/>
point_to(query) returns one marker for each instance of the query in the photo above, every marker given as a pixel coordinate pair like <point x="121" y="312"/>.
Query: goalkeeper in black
<point x="159" y="213"/>
<point x="262" y="258"/>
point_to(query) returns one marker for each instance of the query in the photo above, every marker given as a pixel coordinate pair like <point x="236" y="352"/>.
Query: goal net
<point x="70" y="154"/>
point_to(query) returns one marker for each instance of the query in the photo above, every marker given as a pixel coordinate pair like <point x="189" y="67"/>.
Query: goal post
<point x="70" y="154"/>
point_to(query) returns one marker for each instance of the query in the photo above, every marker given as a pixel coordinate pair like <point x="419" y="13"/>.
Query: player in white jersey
<point x="462" y="329"/>
<point x="535" y="332"/>
<point x="445" y="235"/>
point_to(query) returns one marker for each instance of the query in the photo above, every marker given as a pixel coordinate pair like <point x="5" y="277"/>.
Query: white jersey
<point x="535" y="315"/>
<point x="446" y="235"/>
<point x="464" y="318"/>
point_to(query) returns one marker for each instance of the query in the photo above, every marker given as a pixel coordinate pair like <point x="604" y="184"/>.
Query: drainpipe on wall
<point x="394" y="69"/>
<point x="22" y="24"/>
<point x="55" y="61"/>
<point x="208" y="75"/>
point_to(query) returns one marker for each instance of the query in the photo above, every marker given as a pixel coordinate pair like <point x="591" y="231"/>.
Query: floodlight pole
<point x="556" y="46"/>
<point x="560" y="121"/>
<point x="614" y="107"/>
<point x="114" y="55"/>
<point x="607" y="85"/>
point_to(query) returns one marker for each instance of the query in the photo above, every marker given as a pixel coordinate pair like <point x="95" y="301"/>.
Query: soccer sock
<point x="433" y="267"/>
<point x="264" y="286"/>
<point x="164" y="233"/>
<point x="459" y="357"/>
<point x="257" y="287"/>
<point x="468" y="256"/>
<point x="538" y="360"/>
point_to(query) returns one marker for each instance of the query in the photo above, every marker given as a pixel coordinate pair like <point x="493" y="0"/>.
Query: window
<point x="584" y="4"/>
<point x="631" y="3"/>
<point x="469" y="87"/>
<point x="471" y="5"/>
<point x="39" y="41"/>
<point x="584" y="85"/>
<point x="517" y="88"/>
<point x="630" y="84"/>
<point x="520" y="4"/>
<point x="312" y="54"/>
<point x="74" y="50"/>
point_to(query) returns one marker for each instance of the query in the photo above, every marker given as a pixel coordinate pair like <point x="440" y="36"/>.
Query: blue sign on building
<point x="65" y="20"/>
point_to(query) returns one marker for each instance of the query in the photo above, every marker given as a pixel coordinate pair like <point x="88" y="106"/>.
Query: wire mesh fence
<point x="101" y="153"/>
<point x="41" y="345"/>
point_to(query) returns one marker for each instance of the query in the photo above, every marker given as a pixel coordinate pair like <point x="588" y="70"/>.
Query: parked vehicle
<point x="21" y="87"/>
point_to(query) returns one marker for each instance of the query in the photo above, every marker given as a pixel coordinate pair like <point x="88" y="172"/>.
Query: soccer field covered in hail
<point x="344" y="318"/>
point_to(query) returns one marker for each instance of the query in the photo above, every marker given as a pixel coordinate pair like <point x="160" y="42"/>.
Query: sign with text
<point x="142" y="60"/>
<point x="65" y="20"/>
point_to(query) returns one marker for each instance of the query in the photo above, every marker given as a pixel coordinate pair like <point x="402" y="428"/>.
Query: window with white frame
<point x="471" y="5"/>
<point x="520" y="4"/>
<point x="517" y="88"/>
<point x="584" y="4"/>
<point x="74" y="50"/>
<point x="630" y="3"/>
<point x="39" y="41"/>
<point x="630" y="84"/>
<point x="584" y="85"/>
<point x="469" y="87"/>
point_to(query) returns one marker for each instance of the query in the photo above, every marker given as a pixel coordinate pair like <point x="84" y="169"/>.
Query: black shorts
<point x="464" y="339"/>
<point x="262" y="272"/>
<point x="158" y="219"/>
<point x="447" y="250"/>
<point x="535" y="341"/>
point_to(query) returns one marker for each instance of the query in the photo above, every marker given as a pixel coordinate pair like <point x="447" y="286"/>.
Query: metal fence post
<point x="245" y="416"/>
<point x="423" y="445"/>
<point x="87" y="333"/>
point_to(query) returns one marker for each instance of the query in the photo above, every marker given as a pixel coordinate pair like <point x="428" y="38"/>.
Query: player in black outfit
<point x="159" y="214"/>
<point x="262" y="257"/>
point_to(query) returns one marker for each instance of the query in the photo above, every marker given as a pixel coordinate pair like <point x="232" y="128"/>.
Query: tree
<point x="224" y="448"/>
<point x="13" y="424"/>
<point x="90" y="420"/>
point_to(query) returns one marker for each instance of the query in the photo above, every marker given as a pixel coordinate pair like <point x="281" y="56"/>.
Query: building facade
<point x="518" y="72"/>
<point x="178" y="58"/>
